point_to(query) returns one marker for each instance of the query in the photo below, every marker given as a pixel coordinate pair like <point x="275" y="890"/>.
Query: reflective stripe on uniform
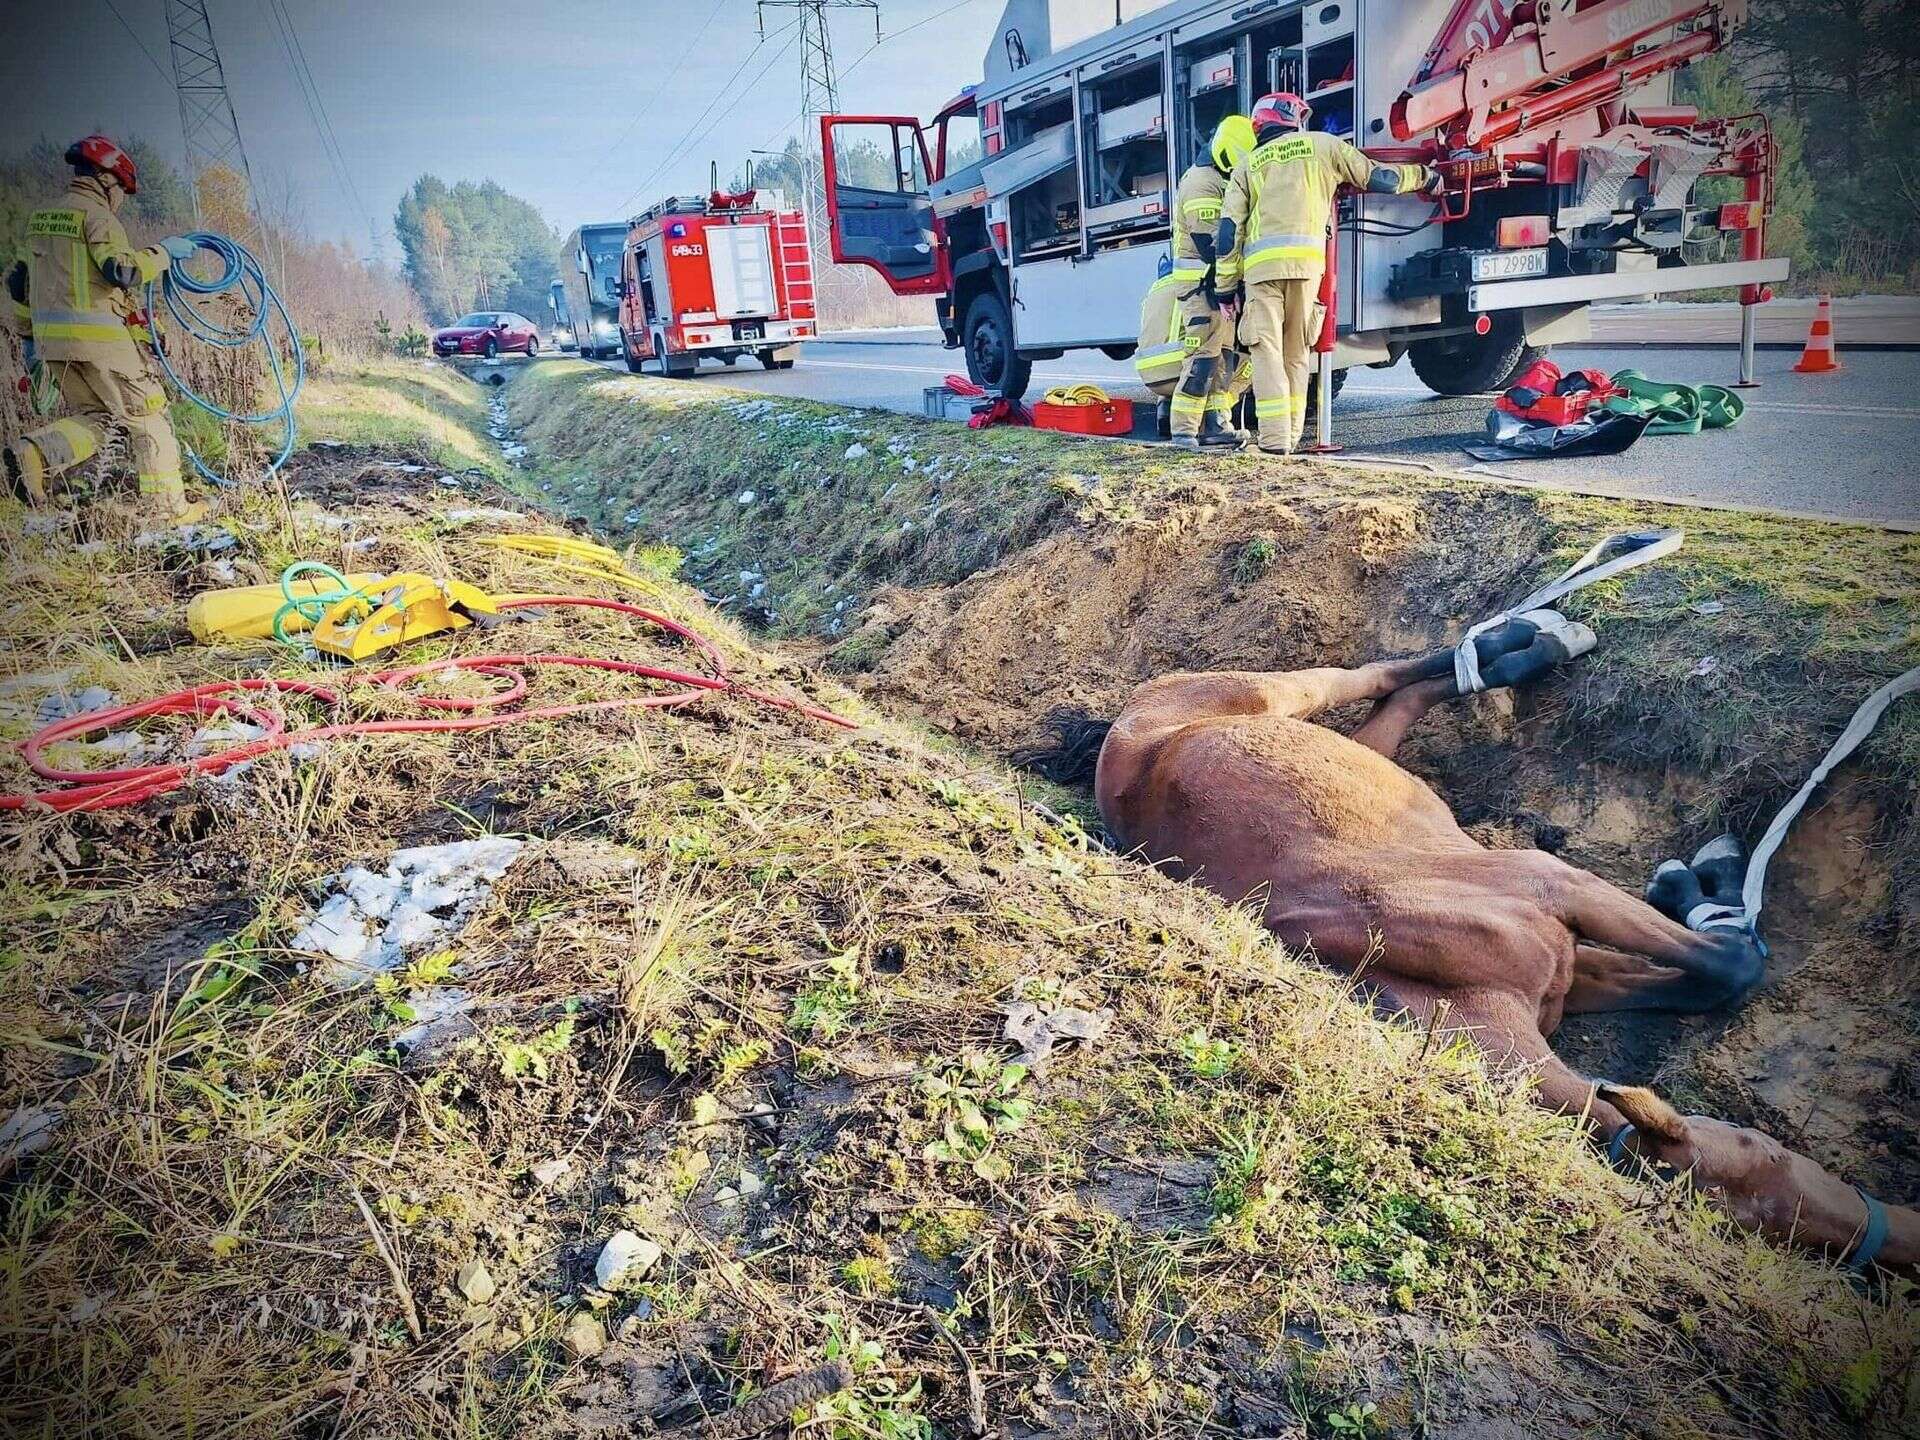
<point x="1223" y="402"/>
<point x="1161" y="358"/>
<point x="158" y="482"/>
<point x="1285" y="247"/>
<point x="76" y="325"/>
<point x="1185" y="404"/>
<point x="78" y="439"/>
<point x="1188" y="272"/>
<point x="1279" y="405"/>
<point x="1201" y="212"/>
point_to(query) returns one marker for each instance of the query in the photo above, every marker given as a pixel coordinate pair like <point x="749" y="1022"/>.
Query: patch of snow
<point x="856" y="451"/>
<point x="372" y="923"/>
<point x="747" y="497"/>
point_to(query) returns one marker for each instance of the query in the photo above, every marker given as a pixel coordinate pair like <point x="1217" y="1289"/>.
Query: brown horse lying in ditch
<point x="1222" y="778"/>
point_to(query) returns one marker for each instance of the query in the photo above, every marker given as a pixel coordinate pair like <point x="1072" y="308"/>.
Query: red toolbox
<point x="1113" y="418"/>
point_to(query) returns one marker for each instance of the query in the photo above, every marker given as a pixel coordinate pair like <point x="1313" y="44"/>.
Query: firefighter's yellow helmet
<point x="1233" y="141"/>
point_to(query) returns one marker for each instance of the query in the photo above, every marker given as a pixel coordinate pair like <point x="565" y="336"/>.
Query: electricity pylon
<point x="819" y="95"/>
<point x="206" y="112"/>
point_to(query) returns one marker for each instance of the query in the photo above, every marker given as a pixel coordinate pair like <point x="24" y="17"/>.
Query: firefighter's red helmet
<point x="1281" y="108"/>
<point x="103" y="154"/>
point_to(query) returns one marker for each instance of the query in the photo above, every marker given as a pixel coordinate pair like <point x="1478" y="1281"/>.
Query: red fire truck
<point x="726" y="276"/>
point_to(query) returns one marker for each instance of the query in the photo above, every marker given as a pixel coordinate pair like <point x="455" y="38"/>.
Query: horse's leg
<point x="1387" y="726"/>
<point x="1608" y="980"/>
<point x="1716" y="967"/>
<point x="1511" y="654"/>
<point x="1761" y="1185"/>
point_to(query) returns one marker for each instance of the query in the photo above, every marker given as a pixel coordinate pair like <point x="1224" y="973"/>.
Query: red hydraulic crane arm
<point x="1547" y="41"/>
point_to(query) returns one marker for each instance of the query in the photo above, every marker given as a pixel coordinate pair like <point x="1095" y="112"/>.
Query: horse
<point x="1223" y="778"/>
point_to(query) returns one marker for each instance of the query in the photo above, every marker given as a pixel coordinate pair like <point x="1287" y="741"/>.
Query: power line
<point x="661" y="88"/>
<point x="160" y="69"/>
<point x="317" y="111"/>
<point x="903" y="30"/>
<point x="718" y="95"/>
<point x="895" y="35"/>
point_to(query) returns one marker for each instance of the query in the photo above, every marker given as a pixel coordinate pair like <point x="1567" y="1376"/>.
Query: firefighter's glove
<point x="1208" y="287"/>
<point x="179" y="248"/>
<point x="1436" y="184"/>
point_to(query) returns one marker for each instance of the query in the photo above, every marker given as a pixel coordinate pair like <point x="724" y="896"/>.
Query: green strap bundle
<point x="1674" y="409"/>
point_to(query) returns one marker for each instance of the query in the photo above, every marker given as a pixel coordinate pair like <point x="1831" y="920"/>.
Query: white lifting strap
<point x="1636" y="548"/>
<point x="1747" y="915"/>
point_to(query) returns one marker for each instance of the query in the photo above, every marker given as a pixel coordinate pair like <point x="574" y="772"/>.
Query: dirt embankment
<point x="1057" y="572"/>
<point x="743" y="996"/>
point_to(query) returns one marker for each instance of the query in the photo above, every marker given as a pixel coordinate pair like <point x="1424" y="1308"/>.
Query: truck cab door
<point x="878" y="211"/>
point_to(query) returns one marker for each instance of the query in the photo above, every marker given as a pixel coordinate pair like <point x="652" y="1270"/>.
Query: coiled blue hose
<point x="239" y="271"/>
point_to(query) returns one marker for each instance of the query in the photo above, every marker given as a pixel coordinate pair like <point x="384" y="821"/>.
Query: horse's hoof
<point x="1675" y="890"/>
<point x="1721" y="865"/>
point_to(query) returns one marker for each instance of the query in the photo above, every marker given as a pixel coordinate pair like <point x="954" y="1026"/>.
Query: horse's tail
<point x="1070" y="747"/>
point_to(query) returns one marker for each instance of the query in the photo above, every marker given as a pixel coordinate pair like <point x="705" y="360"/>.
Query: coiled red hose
<point x="87" y="790"/>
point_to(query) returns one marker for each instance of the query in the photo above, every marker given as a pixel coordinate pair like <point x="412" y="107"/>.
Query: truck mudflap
<point x="1574" y="289"/>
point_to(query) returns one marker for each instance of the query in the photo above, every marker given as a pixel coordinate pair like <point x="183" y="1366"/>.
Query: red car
<point x="488" y="333"/>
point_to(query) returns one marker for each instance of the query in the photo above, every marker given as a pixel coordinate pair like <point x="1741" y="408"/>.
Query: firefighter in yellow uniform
<point x="75" y="298"/>
<point x="1203" y="400"/>
<point x="1273" y="241"/>
<point x="1159" y="356"/>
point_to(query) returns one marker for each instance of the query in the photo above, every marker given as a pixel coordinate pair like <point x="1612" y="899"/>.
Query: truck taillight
<point x="990" y="128"/>
<point x="1001" y="244"/>
<point x="1741" y="215"/>
<point x="1520" y="232"/>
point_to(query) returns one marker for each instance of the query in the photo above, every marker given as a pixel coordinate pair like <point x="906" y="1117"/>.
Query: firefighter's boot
<point x="1190" y="401"/>
<point x="26" y="472"/>
<point x="1215" y="431"/>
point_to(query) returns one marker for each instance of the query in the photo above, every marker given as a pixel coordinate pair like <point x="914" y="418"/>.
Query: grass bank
<point x="424" y="408"/>
<point x="744" y="995"/>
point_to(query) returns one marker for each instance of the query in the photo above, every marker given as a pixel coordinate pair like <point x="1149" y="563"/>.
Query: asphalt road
<point x="1843" y="445"/>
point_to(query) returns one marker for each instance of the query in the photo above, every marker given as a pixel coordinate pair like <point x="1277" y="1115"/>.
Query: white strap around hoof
<point x="1577" y="638"/>
<point x="1713" y="916"/>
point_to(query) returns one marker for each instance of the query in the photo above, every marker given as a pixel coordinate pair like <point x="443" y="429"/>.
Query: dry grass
<point x="748" y="946"/>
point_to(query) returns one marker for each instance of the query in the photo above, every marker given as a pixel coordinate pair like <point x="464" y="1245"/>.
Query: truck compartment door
<point x="878" y="210"/>
<point x="741" y="263"/>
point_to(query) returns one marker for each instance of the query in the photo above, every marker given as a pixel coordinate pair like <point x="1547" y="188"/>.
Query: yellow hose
<point x="1077" y="395"/>
<point x="578" y="557"/>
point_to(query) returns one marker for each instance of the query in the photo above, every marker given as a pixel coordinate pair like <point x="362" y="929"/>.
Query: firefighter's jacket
<point x="1159" y="355"/>
<point x="1280" y="199"/>
<point x="1196" y="211"/>
<point x="82" y="276"/>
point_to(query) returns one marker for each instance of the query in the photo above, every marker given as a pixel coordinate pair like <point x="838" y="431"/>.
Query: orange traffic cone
<point x="1818" y="357"/>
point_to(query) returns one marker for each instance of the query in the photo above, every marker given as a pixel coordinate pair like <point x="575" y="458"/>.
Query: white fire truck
<point x="1571" y="177"/>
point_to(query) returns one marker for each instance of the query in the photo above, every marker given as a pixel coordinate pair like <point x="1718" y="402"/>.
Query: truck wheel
<point x="988" y="337"/>
<point x="635" y="364"/>
<point x="1119" y="352"/>
<point x="1473" y="364"/>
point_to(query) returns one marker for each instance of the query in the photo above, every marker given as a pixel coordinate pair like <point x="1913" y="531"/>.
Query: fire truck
<point x="726" y="276"/>
<point x="1570" y="174"/>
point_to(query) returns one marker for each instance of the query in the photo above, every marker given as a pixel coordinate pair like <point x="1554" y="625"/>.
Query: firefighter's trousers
<point x="1277" y="327"/>
<point x="106" y="397"/>
<point x="1217" y="385"/>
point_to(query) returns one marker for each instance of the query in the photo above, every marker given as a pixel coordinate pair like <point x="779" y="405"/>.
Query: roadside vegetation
<point x="743" y="996"/>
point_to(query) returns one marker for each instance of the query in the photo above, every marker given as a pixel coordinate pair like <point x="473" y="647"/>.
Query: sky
<point x="591" y="109"/>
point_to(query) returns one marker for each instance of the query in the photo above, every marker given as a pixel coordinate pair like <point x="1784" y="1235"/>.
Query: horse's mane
<point x="1069" y="749"/>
